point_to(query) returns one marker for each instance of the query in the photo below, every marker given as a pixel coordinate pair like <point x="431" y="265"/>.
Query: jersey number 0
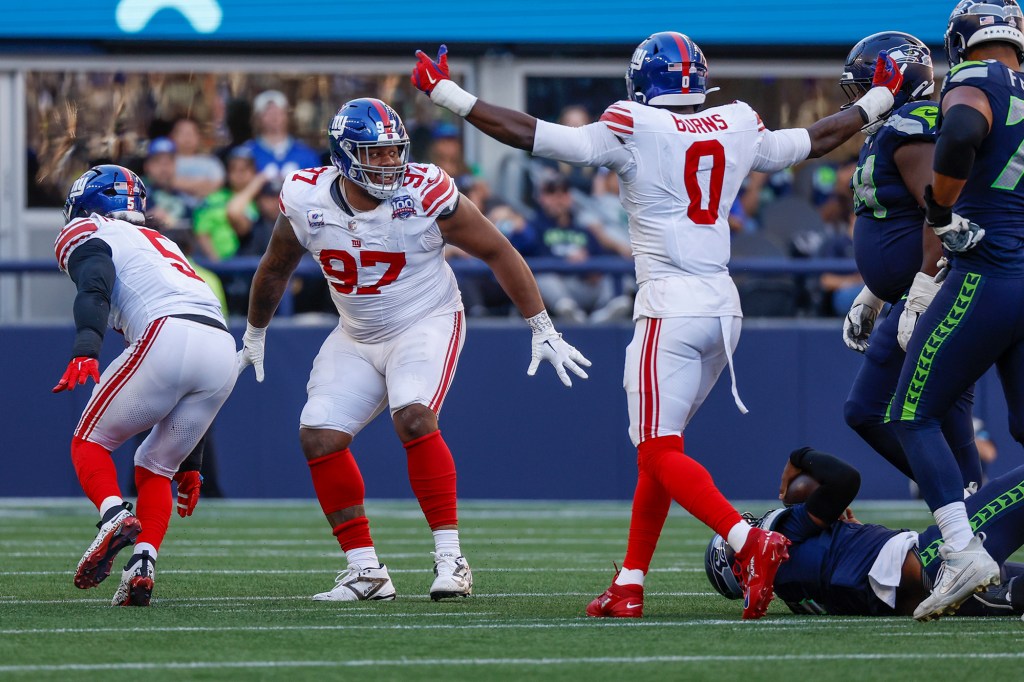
<point x="697" y="151"/>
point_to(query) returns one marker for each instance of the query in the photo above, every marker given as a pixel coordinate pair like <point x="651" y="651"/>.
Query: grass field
<point x="233" y="586"/>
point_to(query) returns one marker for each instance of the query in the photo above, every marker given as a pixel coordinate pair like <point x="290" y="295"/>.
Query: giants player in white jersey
<point x="680" y="170"/>
<point x="177" y="370"/>
<point x="377" y="226"/>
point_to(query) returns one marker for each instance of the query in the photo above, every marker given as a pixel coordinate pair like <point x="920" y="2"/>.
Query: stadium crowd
<point x="214" y="154"/>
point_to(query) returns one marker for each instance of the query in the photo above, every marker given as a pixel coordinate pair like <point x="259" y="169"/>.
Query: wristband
<point x="449" y="95"/>
<point x="540" y="323"/>
<point x="934" y="212"/>
<point x="875" y="104"/>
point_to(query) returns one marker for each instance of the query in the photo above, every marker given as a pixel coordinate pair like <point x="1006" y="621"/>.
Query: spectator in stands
<point x="446" y="151"/>
<point x="560" y="236"/>
<point x="196" y="173"/>
<point x="839" y="289"/>
<point x="225" y="220"/>
<point x="268" y="207"/>
<point x="275" y="151"/>
<point x="169" y="208"/>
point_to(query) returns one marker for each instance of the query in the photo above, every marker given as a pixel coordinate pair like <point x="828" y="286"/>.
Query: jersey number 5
<point x="696" y="152"/>
<point x="177" y="262"/>
<point x="346" y="280"/>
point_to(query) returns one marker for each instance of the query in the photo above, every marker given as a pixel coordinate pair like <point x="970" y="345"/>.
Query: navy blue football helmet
<point x="668" y="69"/>
<point x="360" y="126"/>
<point x="912" y="55"/>
<point x="719" y="559"/>
<point x="109" y="190"/>
<point x="974" y="22"/>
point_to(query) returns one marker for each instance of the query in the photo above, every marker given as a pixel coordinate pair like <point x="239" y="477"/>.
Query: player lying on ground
<point x="680" y="169"/>
<point x="177" y="370"/>
<point x="377" y="226"/>
<point x="889" y="241"/>
<point x="839" y="566"/>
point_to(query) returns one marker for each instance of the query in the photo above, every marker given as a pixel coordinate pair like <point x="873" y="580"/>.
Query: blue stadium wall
<point x="513" y="437"/>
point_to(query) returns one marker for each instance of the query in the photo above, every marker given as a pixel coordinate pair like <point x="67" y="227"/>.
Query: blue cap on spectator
<point x="240" y="152"/>
<point x="161" y="145"/>
<point x="444" y="131"/>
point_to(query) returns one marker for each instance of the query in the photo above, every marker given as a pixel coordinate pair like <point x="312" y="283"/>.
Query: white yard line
<point x="483" y="662"/>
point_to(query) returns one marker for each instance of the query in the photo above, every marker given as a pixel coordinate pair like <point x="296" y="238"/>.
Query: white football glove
<point x="861" y="320"/>
<point x="252" y="350"/>
<point x="958" y="234"/>
<point x="549" y="345"/>
<point x="920" y="296"/>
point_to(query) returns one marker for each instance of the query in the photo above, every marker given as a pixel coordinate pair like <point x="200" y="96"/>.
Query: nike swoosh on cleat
<point x="633" y="606"/>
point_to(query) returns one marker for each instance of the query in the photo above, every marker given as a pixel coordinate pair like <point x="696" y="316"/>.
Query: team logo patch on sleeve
<point x="315" y="217"/>
<point x="402" y="207"/>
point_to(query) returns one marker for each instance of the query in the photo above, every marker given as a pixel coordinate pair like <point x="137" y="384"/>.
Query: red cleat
<point x="758" y="562"/>
<point x="619" y="601"/>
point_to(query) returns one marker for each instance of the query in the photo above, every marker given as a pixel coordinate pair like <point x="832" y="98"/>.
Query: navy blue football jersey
<point x="827" y="570"/>
<point x="887" y="232"/>
<point x="994" y="196"/>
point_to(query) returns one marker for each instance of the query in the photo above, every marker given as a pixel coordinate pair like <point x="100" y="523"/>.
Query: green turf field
<point x="233" y="586"/>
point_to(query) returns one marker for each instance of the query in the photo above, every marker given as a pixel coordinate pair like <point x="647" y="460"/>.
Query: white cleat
<point x="115" y="533"/>
<point x="358" y="584"/>
<point x="454" y="578"/>
<point x="136" y="588"/>
<point x="961" y="575"/>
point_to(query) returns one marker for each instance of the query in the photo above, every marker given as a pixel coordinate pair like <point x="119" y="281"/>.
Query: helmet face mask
<point x="911" y="54"/>
<point x="668" y="69"/>
<point x="110" y="191"/>
<point x="975" y="22"/>
<point x="369" y="146"/>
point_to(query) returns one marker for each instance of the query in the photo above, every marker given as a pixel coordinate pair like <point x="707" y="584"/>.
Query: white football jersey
<point x="153" y="277"/>
<point x="385" y="267"/>
<point x="679" y="176"/>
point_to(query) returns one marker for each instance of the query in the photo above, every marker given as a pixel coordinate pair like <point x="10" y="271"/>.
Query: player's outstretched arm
<point x="509" y="126"/>
<point x="876" y="104"/>
<point x="268" y="285"/>
<point x="469" y="230"/>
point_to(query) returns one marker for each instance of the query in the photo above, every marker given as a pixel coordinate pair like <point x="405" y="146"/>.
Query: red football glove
<point x="189" y="483"/>
<point x="79" y="369"/>
<point x="888" y="74"/>
<point x="427" y="73"/>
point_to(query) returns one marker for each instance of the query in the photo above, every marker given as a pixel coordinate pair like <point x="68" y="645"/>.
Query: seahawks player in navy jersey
<point x="888" y="190"/>
<point x="839" y="566"/>
<point x="974" y="319"/>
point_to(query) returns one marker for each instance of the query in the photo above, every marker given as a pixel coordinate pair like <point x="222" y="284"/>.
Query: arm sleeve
<point x="839" y="481"/>
<point x="590" y="145"/>
<point x="194" y="461"/>
<point x="964" y="129"/>
<point x="778" y="149"/>
<point x="91" y="267"/>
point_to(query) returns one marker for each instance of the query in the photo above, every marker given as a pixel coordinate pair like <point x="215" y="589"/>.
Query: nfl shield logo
<point x="315" y="217"/>
<point x="402" y="207"/>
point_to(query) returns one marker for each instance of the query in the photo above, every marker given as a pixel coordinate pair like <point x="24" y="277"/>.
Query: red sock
<point x="651" y="503"/>
<point x="432" y="477"/>
<point x="96" y="472"/>
<point x="337" y="481"/>
<point x="687" y="482"/>
<point x="153" y="507"/>
<point x="353" y="534"/>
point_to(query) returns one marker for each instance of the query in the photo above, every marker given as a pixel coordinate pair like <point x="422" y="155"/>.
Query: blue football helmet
<point x="974" y="22"/>
<point x="719" y="559"/>
<point x="912" y="55"/>
<point x="668" y="69"/>
<point x="109" y="190"/>
<point x="359" y="126"/>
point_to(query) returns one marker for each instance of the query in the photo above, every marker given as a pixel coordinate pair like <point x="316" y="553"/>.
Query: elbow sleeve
<point x="964" y="128"/>
<point x="839" y="481"/>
